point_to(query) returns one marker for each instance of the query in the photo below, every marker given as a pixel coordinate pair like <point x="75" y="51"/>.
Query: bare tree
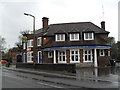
<point x="2" y="43"/>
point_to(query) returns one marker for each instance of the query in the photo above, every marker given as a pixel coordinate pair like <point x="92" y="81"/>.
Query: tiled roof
<point x="74" y="27"/>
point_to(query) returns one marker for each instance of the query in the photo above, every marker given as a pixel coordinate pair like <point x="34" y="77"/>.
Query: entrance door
<point x="39" y="57"/>
<point x="61" y="56"/>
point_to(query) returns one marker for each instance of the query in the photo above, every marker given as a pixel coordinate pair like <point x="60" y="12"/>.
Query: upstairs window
<point x="39" y="40"/>
<point x="60" y="37"/>
<point x="30" y="43"/>
<point x="74" y="37"/>
<point x="88" y="36"/>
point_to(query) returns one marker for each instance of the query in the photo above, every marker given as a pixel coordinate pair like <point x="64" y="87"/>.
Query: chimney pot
<point x="103" y="24"/>
<point x="45" y="23"/>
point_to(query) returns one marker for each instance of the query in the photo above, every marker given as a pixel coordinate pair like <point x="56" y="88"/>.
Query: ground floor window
<point x="87" y="55"/>
<point x="50" y="54"/>
<point x="30" y="56"/>
<point x="61" y="56"/>
<point x="74" y="56"/>
<point x="102" y="52"/>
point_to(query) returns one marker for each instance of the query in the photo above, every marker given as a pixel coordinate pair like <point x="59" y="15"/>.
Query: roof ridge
<point x="70" y="23"/>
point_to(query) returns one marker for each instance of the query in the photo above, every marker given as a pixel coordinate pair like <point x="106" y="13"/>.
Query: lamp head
<point x="26" y="14"/>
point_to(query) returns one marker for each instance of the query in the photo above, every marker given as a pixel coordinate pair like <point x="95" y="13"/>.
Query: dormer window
<point x="89" y="36"/>
<point x="74" y="36"/>
<point x="60" y="37"/>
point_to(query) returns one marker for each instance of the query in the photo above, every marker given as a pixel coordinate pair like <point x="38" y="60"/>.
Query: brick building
<point x="78" y="42"/>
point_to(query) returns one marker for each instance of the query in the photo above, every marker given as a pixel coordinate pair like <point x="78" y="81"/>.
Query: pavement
<point x="92" y="82"/>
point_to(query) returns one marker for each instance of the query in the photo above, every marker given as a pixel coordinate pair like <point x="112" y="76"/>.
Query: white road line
<point x="13" y="77"/>
<point x="49" y="85"/>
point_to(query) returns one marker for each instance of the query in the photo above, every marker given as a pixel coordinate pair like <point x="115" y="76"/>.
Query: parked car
<point x="3" y="61"/>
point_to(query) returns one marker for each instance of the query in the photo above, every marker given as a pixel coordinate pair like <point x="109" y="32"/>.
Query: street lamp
<point x="34" y="40"/>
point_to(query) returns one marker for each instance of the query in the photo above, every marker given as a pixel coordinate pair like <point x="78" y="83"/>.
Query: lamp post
<point x="34" y="40"/>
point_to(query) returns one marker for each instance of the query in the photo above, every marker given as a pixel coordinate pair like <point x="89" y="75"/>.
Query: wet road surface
<point x="13" y="79"/>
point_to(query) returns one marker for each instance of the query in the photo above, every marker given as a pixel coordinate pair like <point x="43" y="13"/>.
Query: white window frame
<point x="60" y="37"/>
<point x="30" y="43"/>
<point x="108" y="53"/>
<point x="24" y="45"/>
<point x="50" y="54"/>
<point x="92" y="37"/>
<point x="78" y="54"/>
<point x="29" y="56"/>
<point x="39" y="41"/>
<point x="102" y="52"/>
<point x="75" y="37"/>
<point x="91" y="55"/>
<point x="62" y="55"/>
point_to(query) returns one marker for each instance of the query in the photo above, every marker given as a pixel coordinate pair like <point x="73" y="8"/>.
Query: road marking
<point x="13" y="77"/>
<point x="49" y="85"/>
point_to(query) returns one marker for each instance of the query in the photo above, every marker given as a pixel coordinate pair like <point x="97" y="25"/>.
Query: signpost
<point x="24" y="39"/>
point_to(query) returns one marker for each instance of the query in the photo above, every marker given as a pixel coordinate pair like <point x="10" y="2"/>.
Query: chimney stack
<point x="45" y="23"/>
<point x="103" y="24"/>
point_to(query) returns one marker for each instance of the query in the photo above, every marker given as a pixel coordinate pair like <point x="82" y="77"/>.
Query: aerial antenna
<point x="102" y="10"/>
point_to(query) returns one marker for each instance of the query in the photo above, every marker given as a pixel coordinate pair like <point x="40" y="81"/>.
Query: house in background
<point x="79" y="42"/>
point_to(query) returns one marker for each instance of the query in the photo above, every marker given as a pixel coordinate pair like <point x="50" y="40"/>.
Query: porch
<point x="83" y="55"/>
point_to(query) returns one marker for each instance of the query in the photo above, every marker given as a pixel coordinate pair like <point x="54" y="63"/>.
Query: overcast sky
<point x="13" y="19"/>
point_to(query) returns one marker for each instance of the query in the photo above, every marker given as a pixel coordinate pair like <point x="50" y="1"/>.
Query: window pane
<point x="72" y="36"/>
<point x="89" y="57"/>
<point x="63" y="58"/>
<point x="31" y="53"/>
<point x="90" y="35"/>
<point x="39" y="41"/>
<point x="76" y="52"/>
<point x="72" y="52"/>
<point x="89" y="52"/>
<point x="85" y="51"/>
<point x="62" y="36"/>
<point x="76" y="36"/>
<point x="85" y="57"/>
<point x="86" y="35"/>
<point x="60" y="58"/>
<point x="31" y="42"/>
<point x="58" y="37"/>
<point x="76" y="57"/>
<point x="72" y="58"/>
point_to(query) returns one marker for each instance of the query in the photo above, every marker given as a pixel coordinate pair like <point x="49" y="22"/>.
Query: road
<point x="13" y="79"/>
